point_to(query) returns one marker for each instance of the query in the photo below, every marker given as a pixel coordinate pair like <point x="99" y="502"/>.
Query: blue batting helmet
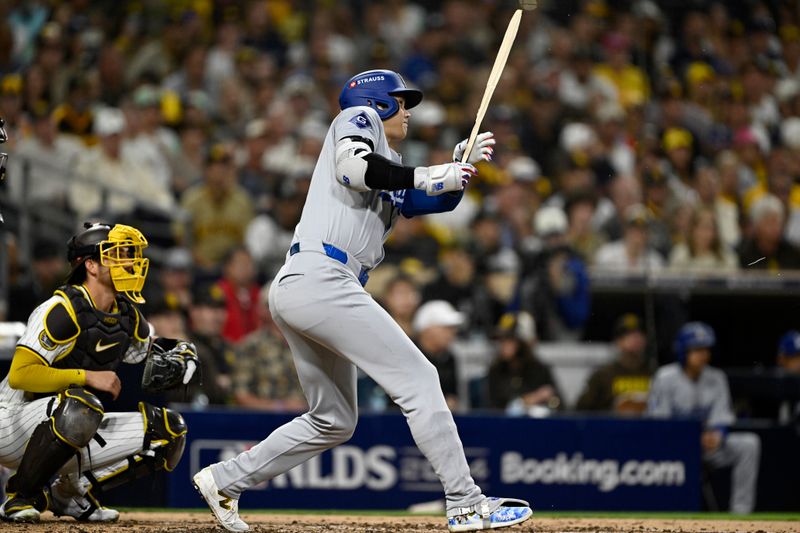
<point x="691" y="336"/>
<point x="375" y="89"/>
<point x="789" y="345"/>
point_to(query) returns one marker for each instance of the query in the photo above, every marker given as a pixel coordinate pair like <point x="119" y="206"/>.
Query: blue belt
<point x="335" y="253"/>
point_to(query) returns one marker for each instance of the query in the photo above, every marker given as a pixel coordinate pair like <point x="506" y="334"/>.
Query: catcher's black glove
<point x="170" y="363"/>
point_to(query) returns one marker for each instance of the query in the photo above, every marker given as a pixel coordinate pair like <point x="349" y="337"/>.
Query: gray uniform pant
<point x="742" y="451"/>
<point x="333" y="326"/>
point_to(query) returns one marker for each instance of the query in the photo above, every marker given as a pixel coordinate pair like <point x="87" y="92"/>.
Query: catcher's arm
<point x="169" y="364"/>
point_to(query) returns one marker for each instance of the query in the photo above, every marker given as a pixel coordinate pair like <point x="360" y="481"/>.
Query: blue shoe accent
<point x="492" y="513"/>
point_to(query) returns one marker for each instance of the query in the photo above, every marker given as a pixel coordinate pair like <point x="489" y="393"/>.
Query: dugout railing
<point x="25" y="221"/>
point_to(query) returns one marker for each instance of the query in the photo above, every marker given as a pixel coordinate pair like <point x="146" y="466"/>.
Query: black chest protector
<point x="104" y="338"/>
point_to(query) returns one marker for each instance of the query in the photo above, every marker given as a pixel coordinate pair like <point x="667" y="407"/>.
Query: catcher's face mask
<point x="122" y="254"/>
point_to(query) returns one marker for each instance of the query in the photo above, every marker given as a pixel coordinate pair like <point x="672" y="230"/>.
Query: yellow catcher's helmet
<point x="119" y="249"/>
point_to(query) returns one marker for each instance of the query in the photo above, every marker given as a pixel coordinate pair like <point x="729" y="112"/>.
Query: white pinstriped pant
<point x="122" y="432"/>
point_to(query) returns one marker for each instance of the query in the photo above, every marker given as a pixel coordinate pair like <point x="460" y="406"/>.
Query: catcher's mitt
<point x="170" y="363"/>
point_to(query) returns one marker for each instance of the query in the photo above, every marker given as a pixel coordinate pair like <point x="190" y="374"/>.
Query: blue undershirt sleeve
<point x="417" y="202"/>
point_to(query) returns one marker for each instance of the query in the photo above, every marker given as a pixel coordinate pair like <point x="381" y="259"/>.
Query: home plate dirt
<point x="202" y="522"/>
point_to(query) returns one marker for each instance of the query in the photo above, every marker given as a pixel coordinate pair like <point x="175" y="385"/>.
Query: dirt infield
<point x="202" y="522"/>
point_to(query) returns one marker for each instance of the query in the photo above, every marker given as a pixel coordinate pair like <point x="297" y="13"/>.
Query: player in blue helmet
<point x="694" y="337"/>
<point x="789" y="352"/>
<point x="359" y="189"/>
<point x="690" y="388"/>
<point x="377" y="89"/>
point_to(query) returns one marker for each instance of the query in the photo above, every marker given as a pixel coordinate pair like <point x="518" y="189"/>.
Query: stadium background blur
<point x="647" y="162"/>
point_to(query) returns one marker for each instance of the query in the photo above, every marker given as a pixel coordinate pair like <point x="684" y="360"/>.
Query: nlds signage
<point x="346" y="467"/>
<point x="559" y="464"/>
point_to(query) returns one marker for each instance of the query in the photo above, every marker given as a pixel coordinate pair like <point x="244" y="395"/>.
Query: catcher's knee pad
<point x="164" y="440"/>
<point x="70" y="428"/>
<point x="77" y="417"/>
<point x="166" y="428"/>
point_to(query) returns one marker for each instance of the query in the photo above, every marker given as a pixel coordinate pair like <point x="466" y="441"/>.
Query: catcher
<point x="53" y="429"/>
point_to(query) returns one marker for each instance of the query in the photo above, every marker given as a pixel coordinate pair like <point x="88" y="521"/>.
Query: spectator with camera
<point x="555" y="288"/>
<point x="518" y="382"/>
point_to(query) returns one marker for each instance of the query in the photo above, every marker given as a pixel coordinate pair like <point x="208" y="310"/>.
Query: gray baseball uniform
<point x="333" y="326"/>
<point x="673" y="394"/>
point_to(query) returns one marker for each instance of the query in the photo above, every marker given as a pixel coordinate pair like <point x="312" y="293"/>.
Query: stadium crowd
<point x="632" y="136"/>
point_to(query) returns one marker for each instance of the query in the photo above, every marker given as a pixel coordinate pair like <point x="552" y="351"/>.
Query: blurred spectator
<point x="253" y="176"/>
<point x="411" y="239"/>
<point x="633" y="253"/>
<point x="401" y="299"/>
<point x="435" y="326"/>
<point x="238" y="282"/>
<point x="691" y="388"/>
<point x="497" y="266"/>
<point x="610" y="121"/>
<point x="207" y="317"/>
<point x="624" y="191"/>
<point x="167" y="316"/>
<point x="48" y="271"/>
<point x="660" y="207"/>
<point x="631" y="83"/>
<point x="47" y="155"/>
<point x="269" y="235"/>
<point x="458" y="284"/>
<point x="727" y="205"/>
<point x="555" y="285"/>
<point x="711" y="196"/>
<point x="789" y="363"/>
<point x="219" y="207"/>
<point x="188" y="161"/>
<point x="26" y="20"/>
<point x="578" y="87"/>
<point x="264" y="377"/>
<point x="192" y="75"/>
<point x="174" y="281"/>
<point x="75" y="116"/>
<point x="518" y="382"/>
<point x="621" y="387"/>
<point x="111" y="182"/>
<point x="678" y="144"/>
<point x="580" y="208"/>
<point x="148" y="143"/>
<point x="704" y="251"/>
<point x="766" y="248"/>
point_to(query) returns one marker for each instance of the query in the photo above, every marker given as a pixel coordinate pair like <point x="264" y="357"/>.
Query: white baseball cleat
<point x="19" y="513"/>
<point x="489" y="513"/>
<point x="65" y="501"/>
<point x="26" y="510"/>
<point x="225" y="509"/>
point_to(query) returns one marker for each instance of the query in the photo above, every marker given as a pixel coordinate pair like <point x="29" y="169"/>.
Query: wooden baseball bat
<point x="494" y="77"/>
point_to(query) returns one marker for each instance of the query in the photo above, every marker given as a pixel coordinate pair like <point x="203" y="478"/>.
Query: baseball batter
<point x="51" y="421"/>
<point x="358" y="189"/>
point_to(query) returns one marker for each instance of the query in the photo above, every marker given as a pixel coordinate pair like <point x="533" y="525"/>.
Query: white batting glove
<point x="481" y="151"/>
<point x="439" y="179"/>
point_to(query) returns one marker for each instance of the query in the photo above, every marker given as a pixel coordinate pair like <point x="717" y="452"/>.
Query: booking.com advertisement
<point x="555" y="463"/>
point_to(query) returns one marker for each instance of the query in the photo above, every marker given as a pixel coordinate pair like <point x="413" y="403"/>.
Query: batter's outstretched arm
<point x="416" y="203"/>
<point x="360" y="169"/>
